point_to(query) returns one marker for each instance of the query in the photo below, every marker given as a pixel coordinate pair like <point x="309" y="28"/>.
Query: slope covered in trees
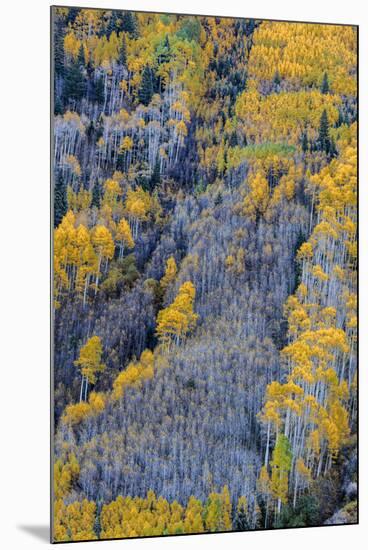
<point x="205" y="257"/>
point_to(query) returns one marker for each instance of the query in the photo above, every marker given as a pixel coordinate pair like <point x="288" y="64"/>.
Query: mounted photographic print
<point x="204" y="328"/>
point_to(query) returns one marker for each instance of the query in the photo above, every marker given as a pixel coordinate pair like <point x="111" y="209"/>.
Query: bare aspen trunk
<point x="81" y="389"/>
<point x="86" y="389"/>
<point x="98" y="272"/>
<point x="268" y="444"/>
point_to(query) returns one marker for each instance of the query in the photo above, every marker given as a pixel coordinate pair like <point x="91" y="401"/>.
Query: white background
<point x="24" y="273"/>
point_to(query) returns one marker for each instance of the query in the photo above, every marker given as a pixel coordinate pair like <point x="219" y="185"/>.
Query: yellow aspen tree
<point x="77" y="412"/>
<point x="112" y="191"/>
<point x="213" y="513"/>
<point x="89" y="266"/>
<point x="124" y="236"/>
<point x="226" y="523"/>
<point x="135" y="373"/>
<point x="137" y="205"/>
<point x="66" y="254"/>
<point x="126" y="144"/>
<point x="75" y="521"/>
<point x="90" y="364"/>
<point x="193" y="520"/>
<point x="71" y="45"/>
<point x="257" y="199"/>
<point x="281" y="466"/>
<point x="175" y="321"/>
<point x="65" y="474"/>
<point x="176" y="524"/>
<point x="104" y="247"/>
<point x="170" y="273"/>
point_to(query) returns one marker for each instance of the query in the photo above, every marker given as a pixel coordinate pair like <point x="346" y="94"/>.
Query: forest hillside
<point x="205" y="259"/>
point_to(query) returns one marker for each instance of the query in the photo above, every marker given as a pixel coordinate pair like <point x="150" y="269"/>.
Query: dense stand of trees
<point x="205" y="261"/>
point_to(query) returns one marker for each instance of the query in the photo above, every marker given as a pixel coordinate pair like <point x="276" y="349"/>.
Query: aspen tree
<point x="124" y="236"/>
<point x="175" y="321"/>
<point x="104" y="246"/>
<point x="90" y="364"/>
<point x="281" y="465"/>
<point x="170" y="273"/>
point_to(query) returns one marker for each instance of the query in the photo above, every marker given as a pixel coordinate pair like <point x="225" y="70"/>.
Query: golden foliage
<point x="176" y="320"/>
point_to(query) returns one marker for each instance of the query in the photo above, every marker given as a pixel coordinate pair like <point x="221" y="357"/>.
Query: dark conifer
<point x="305" y="144"/>
<point x="241" y="522"/>
<point x="81" y="59"/>
<point x="123" y="52"/>
<point x="96" y="195"/>
<point x="333" y="148"/>
<point x="341" y="119"/>
<point x="129" y="24"/>
<point x="75" y="82"/>
<point x="145" y="91"/>
<point x="59" y="34"/>
<point x="58" y="107"/>
<point x="72" y="14"/>
<point x="325" y="87"/>
<point x="233" y="142"/>
<point x="98" y="90"/>
<point x="277" y="78"/>
<point x="218" y="199"/>
<point x="60" y="200"/>
<point x="324" y="143"/>
<point x="113" y="23"/>
<point x="156" y="175"/>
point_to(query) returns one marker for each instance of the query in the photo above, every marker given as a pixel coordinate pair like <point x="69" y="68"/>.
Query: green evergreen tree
<point x="98" y="90"/>
<point x="250" y="26"/>
<point x="218" y="199"/>
<point x="123" y="52"/>
<point x="333" y="148"/>
<point x="90" y="130"/>
<point x="96" y="195"/>
<point x="145" y="91"/>
<point x="164" y="53"/>
<point x="97" y="525"/>
<point x="190" y="29"/>
<point x="129" y="24"/>
<point x="59" y="34"/>
<point x="325" y="87"/>
<point x="75" y="83"/>
<point x="81" y="59"/>
<point x="167" y="43"/>
<point x="233" y="142"/>
<point x="60" y="200"/>
<point x="241" y="521"/>
<point x="277" y="79"/>
<point x="305" y="145"/>
<point x="113" y="24"/>
<point x="324" y="143"/>
<point x="72" y="14"/>
<point x="341" y="119"/>
<point x="156" y="175"/>
<point x="58" y="106"/>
